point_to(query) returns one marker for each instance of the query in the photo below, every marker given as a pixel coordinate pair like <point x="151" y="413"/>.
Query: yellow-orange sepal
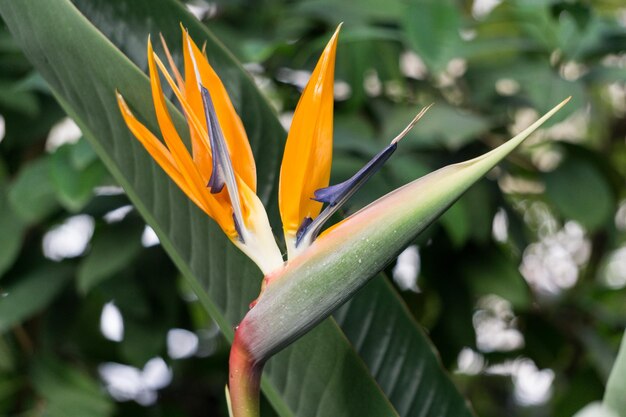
<point x="308" y="152"/>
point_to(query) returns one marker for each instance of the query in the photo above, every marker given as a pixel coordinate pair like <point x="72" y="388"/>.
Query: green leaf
<point x="11" y="225"/>
<point x="493" y="273"/>
<point x="7" y="361"/>
<point x="69" y="391"/>
<point x="430" y="20"/>
<point x="73" y="181"/>
<point x="394" y="347"/>
<point x="580" y="192"/>
<point x="113" y="248"/>
<point x="615" y="394"/>
<point x="18" y="99"/>
<point x="31" y="294"/>
<point x="443" y="127"/>
<point x="457" y="223"/>
<point x="32" y="194"/>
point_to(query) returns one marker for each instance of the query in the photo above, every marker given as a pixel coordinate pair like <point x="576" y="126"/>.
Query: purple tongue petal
<point x="217" y="181"/>
<point x="336" y="195"/>
<point x="223" y="173"/>
<point x="339" y="193"/>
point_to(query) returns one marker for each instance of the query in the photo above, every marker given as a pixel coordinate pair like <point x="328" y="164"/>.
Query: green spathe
<point x="344" y="258"/>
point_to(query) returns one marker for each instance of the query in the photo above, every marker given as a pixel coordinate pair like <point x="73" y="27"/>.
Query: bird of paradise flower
<point x="219" y="176"/>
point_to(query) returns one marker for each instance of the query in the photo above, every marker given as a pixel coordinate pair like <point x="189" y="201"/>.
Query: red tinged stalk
<point x="244" y="378"/>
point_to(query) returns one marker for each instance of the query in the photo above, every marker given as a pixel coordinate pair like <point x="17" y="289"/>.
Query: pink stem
<point x="244" y="379"/>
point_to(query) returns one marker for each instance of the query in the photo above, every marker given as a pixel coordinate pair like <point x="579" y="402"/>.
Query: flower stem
<point x="244" y="380"/>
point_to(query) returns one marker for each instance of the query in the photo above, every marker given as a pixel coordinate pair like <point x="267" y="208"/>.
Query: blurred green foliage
<point x="537" y="247"/>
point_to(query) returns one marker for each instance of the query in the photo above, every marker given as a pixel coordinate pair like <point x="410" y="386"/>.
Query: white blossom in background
<point x="105" y="190"/>
<point x="69" y="239"/>
<point x="341" y="90"/>
<point x="470" y="362"/>
<point x="407" y="269"/>
<point x="111" y="322"/>
<point x="412" y="66"/>
<point x="149" y="237"/>
<point x="482" y="8"/>
<point x="285" y="119"/>
<point x="531" y="386"/>
<point x="552" y="264"/>
<point x="2" y="128"/>
<point x="371" y="83"/>
<point x="496" y="325"/>
<point x="118" y="214"/>
<point x="297" y="78"/>
<point x="620" y="216"/>
<point x="500" y="226"/>
<point x="614" y="271"/>
<point x="66" y="131"/>
<point x="201" y="9"/>
<point x="181" y="343"/>
<point x="127" y="383"/>
<point x="507" y="87"/>
<point x="456" y="67"/>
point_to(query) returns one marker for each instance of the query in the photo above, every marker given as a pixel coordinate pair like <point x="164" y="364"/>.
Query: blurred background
<point x="521" y="285"/>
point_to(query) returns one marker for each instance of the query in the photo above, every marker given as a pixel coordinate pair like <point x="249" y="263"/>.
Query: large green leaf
<point x="319" y="375"/>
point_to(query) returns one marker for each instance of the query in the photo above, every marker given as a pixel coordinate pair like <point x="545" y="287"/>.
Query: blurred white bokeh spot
<point x="66" y="131"/>
<point x="470" y="362"/>
<point x="620" y="216"/>
<point x="342" y="90"/>
<point x="149" y="237"/>
<point x="108" y="190"/>
<point x="531" y="386"/>
<point x="118" y="214"/>
<point x="411" y="66"/>
<point x="297" y="78"/>
<point x="285" y="119"/>
<point x="69" y="239"/>
<point x="482" y="8"/>
<point x="202" y="9"/>
<point x="111" y="322"/>
<point x="552" y="264"/>
<point x="2" y="128"/>
<point x="507" y="87"/>
<point x="407" y="269"/>
<point x="500" y="226"/>
<point x="496" y="325"/>
<point x="181" y="343"/>
<point x="614" y="270"/>
<point x="126" y="383"/>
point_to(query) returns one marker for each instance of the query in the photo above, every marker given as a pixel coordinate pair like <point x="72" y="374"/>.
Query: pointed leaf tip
<point x="412" y="124"/>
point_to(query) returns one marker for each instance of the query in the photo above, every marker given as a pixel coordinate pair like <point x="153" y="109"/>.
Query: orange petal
<point x="230" y="123"/>
<point x="195" y="183"/>
<point x="308" y="152"/>
<point x="158" y="152"/>
<point x="173" y="67"/>
<point x="199" y="136"/>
